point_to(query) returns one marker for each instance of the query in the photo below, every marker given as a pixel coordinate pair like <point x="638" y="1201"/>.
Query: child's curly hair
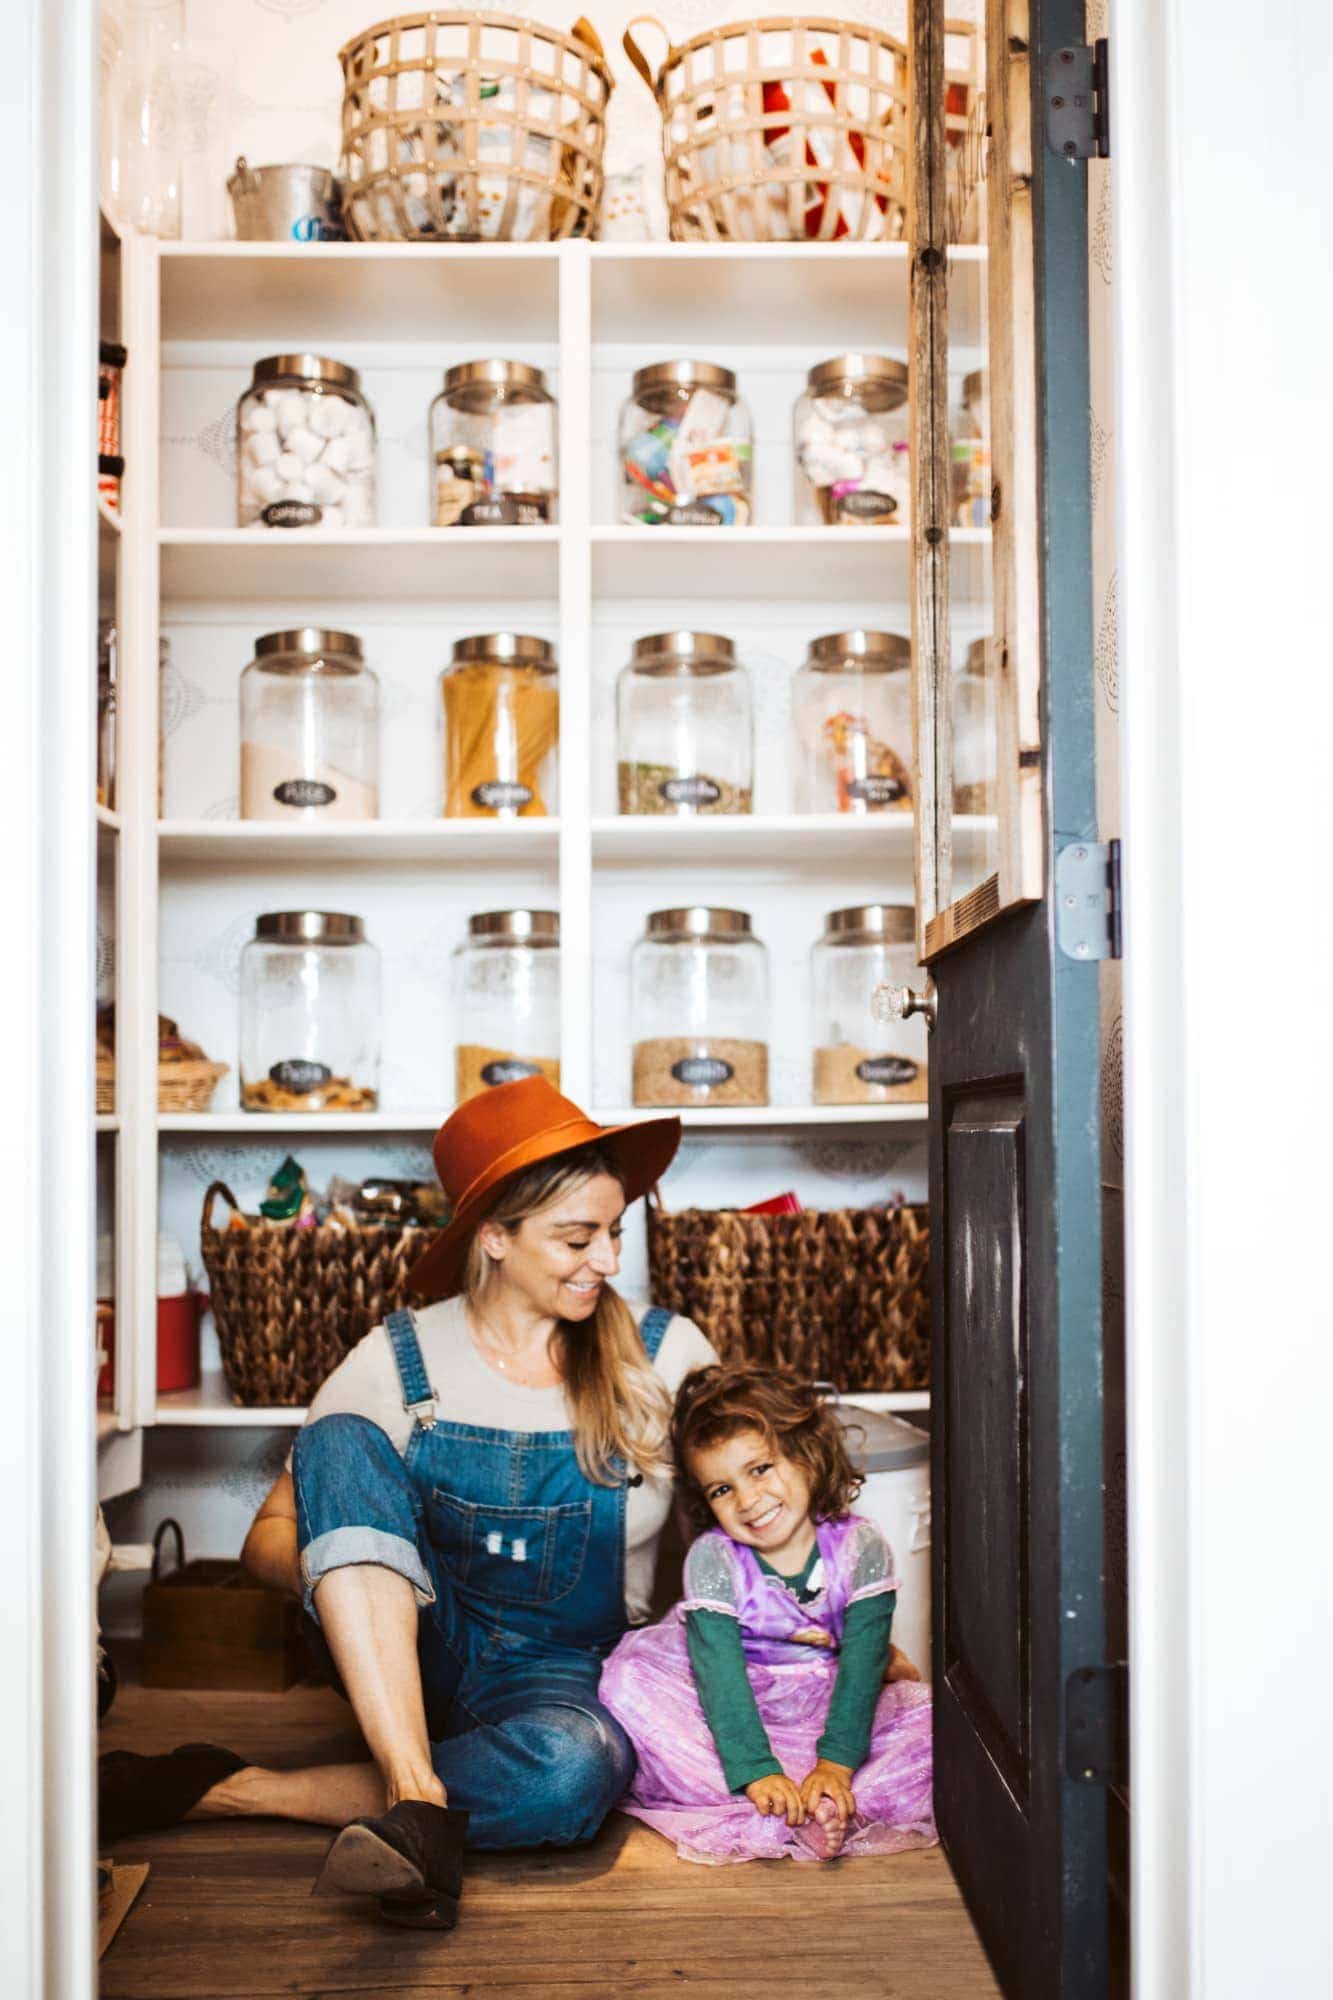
<point x="724" y="1400"/>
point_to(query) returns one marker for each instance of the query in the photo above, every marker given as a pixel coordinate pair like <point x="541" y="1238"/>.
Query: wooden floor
<point x="227" y="1911"/>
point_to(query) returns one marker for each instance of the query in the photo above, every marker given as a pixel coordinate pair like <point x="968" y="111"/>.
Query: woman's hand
<point x="900" y="1668"/>
<point x="777" y="1795"/>
<point x="828" y="1781"/>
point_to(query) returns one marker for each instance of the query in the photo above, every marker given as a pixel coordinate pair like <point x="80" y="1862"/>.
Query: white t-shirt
<point x="469" y="1391"/>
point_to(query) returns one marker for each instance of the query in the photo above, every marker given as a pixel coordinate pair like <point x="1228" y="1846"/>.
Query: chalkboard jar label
<point x="877" y="791"/>
<point x="864" y="504"/>
<point x="702" y="1071"/>
<point x="690" y="791"/>
<point x="304" y="792"/>
<point x="512" y="1070"/>
<point x="693" y="514"/>
<point x="506" y="510"/>
<point x="299" y="1074"/>
<point x="292" y="514"/>
<point x="501" y="794"/>
<point x="893" y="1071"/>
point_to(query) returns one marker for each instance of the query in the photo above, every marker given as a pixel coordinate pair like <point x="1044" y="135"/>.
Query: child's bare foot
<point x="824" y="1833"/>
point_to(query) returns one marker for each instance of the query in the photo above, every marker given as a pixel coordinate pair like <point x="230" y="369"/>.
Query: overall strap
<point x="418" y="1396"/>
<point x="652" y="1328"/>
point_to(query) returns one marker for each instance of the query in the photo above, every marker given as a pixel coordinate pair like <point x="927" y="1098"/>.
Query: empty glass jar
<point x="507" y="1000"/>
<point x="309" y="728"/>
<point x="699" y="1009"/>
<point x="853" y="713"/>
<point x="686" y="448"/>
<point x="501" y="727"/>
<point x="310" y="1014"/>
<point x="973" y="734"/>
<point x="307" y="446"/>
<point x="858" y="1059"/>
<point x="851" y="443"/>
<point x="684" y="730"/>
<point x="493" y="447"/>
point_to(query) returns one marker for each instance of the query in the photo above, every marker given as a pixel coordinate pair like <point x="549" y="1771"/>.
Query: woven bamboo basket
<point x="188" y="1086"/>
<point x="290" y="1303"/>
<point x="471" y="127"/>
<point x="105" y="1086"/>
<point x="840" y="1297"/>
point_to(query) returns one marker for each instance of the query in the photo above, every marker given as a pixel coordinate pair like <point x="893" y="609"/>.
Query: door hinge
<point x="1097" y="1725"/>
<point x="1078" y="102"/>
<point x="1087" y="899"/>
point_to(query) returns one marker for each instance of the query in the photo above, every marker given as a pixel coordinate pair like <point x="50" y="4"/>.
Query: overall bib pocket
<point x="511" y="1555"/>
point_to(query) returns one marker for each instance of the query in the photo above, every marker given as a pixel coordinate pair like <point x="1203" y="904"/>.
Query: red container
<point x="177" y="1345"/>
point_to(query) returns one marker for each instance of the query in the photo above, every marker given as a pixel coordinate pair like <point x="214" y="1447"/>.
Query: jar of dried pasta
<point x="857" y="1058"/>
<point x="684" y="731"/>
<point x="501" y="728"/>
<point x="507" y="1000"/>
<point x="853" y="715"/>
<point x="310" y="1014"/>
<point x="699" y="1007"/>
<point x="493" y="447"/>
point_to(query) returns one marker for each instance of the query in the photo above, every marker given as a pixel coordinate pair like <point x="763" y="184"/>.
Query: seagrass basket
<point x="289" y="1303"/>
<point x="842" y="1296"/>
<point x="472" y="127"/>
<point x="188" y="1086"/>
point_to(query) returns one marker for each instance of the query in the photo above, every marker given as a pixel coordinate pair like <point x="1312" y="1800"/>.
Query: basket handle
<point x="636" y="54"/>
<point x="165" y="1528"/>
<point x="216" y="1188"/>
<point x="653" y="1199"/>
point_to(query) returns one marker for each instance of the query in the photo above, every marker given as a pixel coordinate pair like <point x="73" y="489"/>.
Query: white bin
<point x="895" y="1458"/>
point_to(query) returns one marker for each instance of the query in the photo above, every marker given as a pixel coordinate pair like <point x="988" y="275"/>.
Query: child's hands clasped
<point x="828" y="1781"/>
<point x="777" y="1795"/>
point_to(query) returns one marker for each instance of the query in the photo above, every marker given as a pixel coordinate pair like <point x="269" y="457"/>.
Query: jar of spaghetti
<point x="973" y="734"/>
<point x="853" y="714"/>
<point x="501" y="728"/>
<point x="307" y="446"/>
<point x="684" y="732"/>
<point x="493" y="447"/>
<point x="507" y="1000"/>
<point x="309" y="728"/>
<point x="858" y="1059"/>
<point x="686" y="448"/>
<point x="851" y="443"/>
<point x="310" y="1014"/>
<point x="699" y="1008"/>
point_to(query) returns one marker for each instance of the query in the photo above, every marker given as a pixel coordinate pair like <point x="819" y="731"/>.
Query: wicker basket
<point x="188" y="1086"/>
<point x="105" y="1086"/>
<point x="289" y="1303"/>
<point x="841" y="1297"/>
<point x="786" y="129"/>
<point x="472" y="127"/>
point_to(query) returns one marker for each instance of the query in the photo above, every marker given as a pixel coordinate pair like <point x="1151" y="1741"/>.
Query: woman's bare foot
<point x="824" y="1833"/>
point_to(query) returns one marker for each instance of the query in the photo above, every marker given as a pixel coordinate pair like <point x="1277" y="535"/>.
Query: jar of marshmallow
<point x="307" y="446"/>
<point x="851" y="443"/>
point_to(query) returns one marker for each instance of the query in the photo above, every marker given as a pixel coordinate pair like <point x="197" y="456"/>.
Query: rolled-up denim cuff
<point x="340" y="1548"/>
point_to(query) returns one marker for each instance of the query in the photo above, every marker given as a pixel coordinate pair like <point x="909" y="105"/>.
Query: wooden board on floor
<point x="228" y="1914"/>
<point x="113" y="1903"/>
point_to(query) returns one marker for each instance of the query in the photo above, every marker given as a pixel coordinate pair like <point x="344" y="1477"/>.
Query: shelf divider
<point x="576" y="942"/>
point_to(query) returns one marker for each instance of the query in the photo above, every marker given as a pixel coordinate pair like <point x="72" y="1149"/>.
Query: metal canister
<point x="285" y="204"/>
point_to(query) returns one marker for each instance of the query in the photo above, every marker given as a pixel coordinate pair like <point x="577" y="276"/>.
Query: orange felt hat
<point x="504" y="1131"/>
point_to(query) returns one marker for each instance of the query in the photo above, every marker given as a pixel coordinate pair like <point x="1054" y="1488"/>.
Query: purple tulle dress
<point x="648" y="1685"/>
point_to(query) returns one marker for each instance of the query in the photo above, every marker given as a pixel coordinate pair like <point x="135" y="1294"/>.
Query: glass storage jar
<point x="857" y="1058"/>
<point x="501" y="727"/>
<point x="309" y="728"/>
<point x="507" y="1000"/>
<point x="973" y="734"/>
<point x="970" y="476"/>
<point x="853" y="714"/>
<point x="851" y="443"/>
<point x="310" y="1014"/>
<point x="493" y="447"/>
<point x="307" y="446"/>
<point x="684" y="729"/>
<point x="699" y="1009"/>
<point x="686" y="448"/>
<point x="108" y="692"/>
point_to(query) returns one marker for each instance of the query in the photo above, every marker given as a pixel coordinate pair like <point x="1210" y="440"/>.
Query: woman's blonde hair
<point x="619" y="1405"/>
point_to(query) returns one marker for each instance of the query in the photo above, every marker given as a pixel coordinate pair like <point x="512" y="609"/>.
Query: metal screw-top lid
<point x="307" y="368"/>
<point x="311" y="649"/>
<point x="683" y="653"/>
<point x="974" y="660"/>
<point x="472" y="383"/>
<point x="699" y="924"/>
<point x="518" y="649"/>
<point x="539" y="928"/>
<point x="684" y="375"/>
<point x="879" y="381"/>
<point x="871" y="923"/>
<point x="974" y="387"/>
<point x="310" y="927"/>
<point x="865" y="652"/>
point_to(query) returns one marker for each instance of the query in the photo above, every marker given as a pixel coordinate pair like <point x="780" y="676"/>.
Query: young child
<point x="758" y="1706"/>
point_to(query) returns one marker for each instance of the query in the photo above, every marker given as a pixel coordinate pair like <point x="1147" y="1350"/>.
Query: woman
<point x="471" y="1517"/>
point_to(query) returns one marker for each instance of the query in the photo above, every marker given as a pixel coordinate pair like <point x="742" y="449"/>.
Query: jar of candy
<point x="973" y="734"/>
<point x="307" y="446"/>
<point x="686" y="448"/>
<point x="507" y="1000"/>
<point x="310" y="1014"/>
<point x="851" y="443"/>
<point x="857" y="1058"/>
<point x="501" y="728"/>
<point x="310" y="743"/>
<point x="493" y="447"/>
<point x="684" y="730"/>
<point x="699" y="1009"/>
<point x="853" y="715"/>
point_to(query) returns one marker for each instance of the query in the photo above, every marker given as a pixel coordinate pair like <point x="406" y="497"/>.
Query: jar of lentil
<point x="684" y="730"/>
<point x="699" y="1008"/>
<point x="493" y="447"/>
<point x="501" y="727"/>
<point x="309" y="728"/>
<point x="507" y="1000"/>
<point x="973" y="734"/>
<point x="853" y="714"/>
<point x="852" y="443"/>
<point x="857" y="1058"/>
<point x="686" y="448"/>
<point x="310" y="1014"/>
<point x="970" y="474"/>
<point x="307" y="446"/>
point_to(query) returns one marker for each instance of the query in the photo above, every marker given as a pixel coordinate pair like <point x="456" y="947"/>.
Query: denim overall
<point x="518" y="1565"/>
